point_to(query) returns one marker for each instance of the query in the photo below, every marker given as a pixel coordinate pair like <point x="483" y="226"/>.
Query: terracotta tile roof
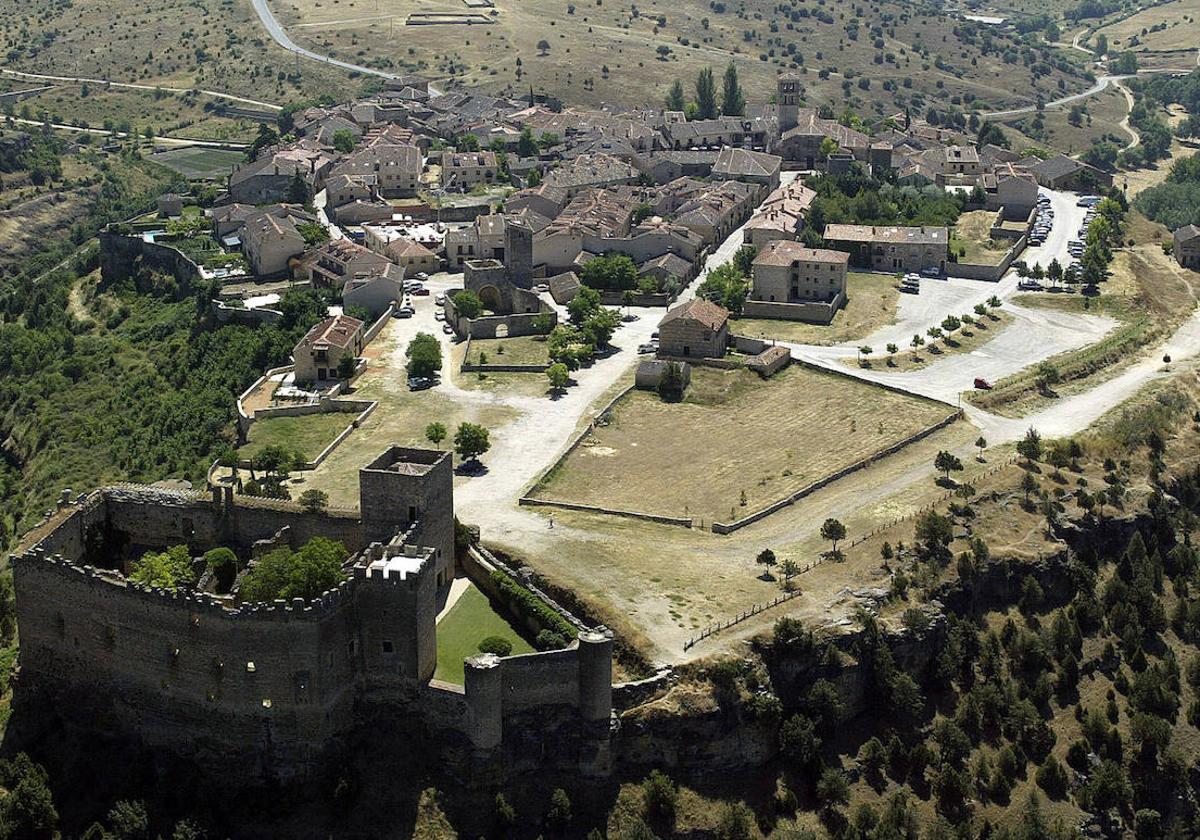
<point x="700" y="310"/>
<point x="335" y="331"/>
<point x="785" y="252"/>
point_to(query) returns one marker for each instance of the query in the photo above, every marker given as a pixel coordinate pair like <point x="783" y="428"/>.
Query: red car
<point x="982" y="384"/>
<point x="421" y="292"/>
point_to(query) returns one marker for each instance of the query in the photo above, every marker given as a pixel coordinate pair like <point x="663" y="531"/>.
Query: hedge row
<point x="531" y="606"/>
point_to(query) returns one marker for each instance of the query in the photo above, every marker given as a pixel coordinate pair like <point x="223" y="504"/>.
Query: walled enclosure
<point x="272" y="692"/>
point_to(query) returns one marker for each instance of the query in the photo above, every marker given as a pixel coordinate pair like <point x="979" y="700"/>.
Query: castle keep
<point x="268" y="691"/>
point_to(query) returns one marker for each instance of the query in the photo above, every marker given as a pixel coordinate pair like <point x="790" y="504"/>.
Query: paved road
<point x="1101" y="83"/>
<point x="279" y="34"/>
<point x="132" y="86"/>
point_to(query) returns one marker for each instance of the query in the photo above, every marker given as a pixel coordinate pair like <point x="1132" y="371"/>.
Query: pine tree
<point x="675" y="100"/>
<point x="706" y="95"/>
<point x="733" y="103"/>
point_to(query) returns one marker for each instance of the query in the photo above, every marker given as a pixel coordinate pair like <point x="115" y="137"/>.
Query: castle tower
<point x="483" y="686"/>
<point x="406" y="486"/>
<point x="518" y="252"/>
<point x="396" y="592"/>
<point x="787" y="97"/>
<point x="595" y="674"/>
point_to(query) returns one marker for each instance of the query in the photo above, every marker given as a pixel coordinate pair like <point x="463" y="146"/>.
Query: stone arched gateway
<point x="492" y="299"/>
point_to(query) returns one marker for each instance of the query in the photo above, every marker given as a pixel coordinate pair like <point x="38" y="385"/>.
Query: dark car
<point x="982" y="384"/>
<point x="420" y="383"/>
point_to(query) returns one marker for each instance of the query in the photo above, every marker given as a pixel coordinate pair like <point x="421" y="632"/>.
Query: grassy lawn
<point x="735" y="443"/>
<point x="971" y="232"/>
<point x="523" y="350"/>
<point x="195" y="162"/>
<point x="1147" y="292"/>
<point x="872" y="303"/>
<point x="964" y="340"/>
<point x="309" y="434"/>
<point x="471" y="620"/>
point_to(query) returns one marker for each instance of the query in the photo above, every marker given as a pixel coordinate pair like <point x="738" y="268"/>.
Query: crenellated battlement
<point x="267" y="689"/>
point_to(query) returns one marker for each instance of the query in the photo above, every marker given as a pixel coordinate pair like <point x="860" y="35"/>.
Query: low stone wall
<point x="626" y="695"/>
<point x="325" y="406"/>
<point x="119" y="255"/>
<point x="226" y="314"/>
<point x="811" y="312"/>
<point x="730" y="527"/>
<point x="244" y="419"/>
<point x="992" y="273"/>
<point x="999" y="231"/>
<point x="653" y="299"/>
<point x="377" y="327"/>
<point x="686" y="522"/>
<point x="579" y="438"/>
<point x="479" y="563"/>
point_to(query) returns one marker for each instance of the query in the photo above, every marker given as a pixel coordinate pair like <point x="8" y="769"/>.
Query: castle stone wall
<point x="270" y="685"/>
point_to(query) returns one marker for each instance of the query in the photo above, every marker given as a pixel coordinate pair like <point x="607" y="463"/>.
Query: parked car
<point x="447" y="329"/>
<point x="932" y="271"/>
<point x="654" y="336"/>
<point x="440" y="300"/>
<point x="647" y="348"/>
<point x="421" y="292"/>
<point x="541" y="288"/>
<point x="404" y="312"/>
<point x="439" y="315"/>
<point x="421" y="275"/>
<point x="982" y="384"/>
<point x="420" y="383"/>
<point x="1030" y="286"/>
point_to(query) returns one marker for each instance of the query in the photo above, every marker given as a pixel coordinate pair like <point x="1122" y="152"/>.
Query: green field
<point x="307" y="435"/>
<point x="197" y="163"/>
<point x="468" y="623"/>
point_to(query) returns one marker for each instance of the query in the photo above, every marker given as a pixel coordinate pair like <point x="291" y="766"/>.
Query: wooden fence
<point x="757" y="609"/>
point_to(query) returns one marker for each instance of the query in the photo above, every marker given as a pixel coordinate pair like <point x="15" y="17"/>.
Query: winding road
<point x="279" y="34"/>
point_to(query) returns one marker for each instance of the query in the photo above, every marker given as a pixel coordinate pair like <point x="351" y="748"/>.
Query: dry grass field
<point x="213" y="44"/>
<point x="401" y="418"/>
<point x="630" y="53"/>
<point x="872" y="304"/>
<point x="1099" y="120"/>
<point x="970" y="237"/>
<point x="307" y="435"/>
<point x="1171" y="26"/>
<point x="966" y="339"/>
<point x="735" y="444"/>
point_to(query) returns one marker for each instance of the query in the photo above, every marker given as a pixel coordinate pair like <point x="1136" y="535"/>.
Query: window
<point x="387" y="646"/>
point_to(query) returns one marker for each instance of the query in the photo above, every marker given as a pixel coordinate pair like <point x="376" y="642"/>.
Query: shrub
<point x="496" y="645"/>
<point x="223" y="564"/>
<point x="549" y="640"/>
<point x="659" y="798"/>
<point x="522" y="601"/>
<point x="305" y="574"/>
<point x="168" y="569"/>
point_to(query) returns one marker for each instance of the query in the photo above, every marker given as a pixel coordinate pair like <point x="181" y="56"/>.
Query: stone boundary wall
<point x="683" y="521"/>
<point x="119" y="252"/>
<point x="730" y="527"/>
<point x="574" y="444"/>
<point x="377" y="327"/>
<point x="993" y="273"/>
<point x="465" y="367"/>
<point x="244" y="419"/>
<point x="326" y="406"/>
<point x="479" y="563"/>
<point x="811" y="312"/>
<point x="999" y="231"/>
<point x="226" y="314"/>
<point x="611" y="298"/>
<point x="626" y="695"/>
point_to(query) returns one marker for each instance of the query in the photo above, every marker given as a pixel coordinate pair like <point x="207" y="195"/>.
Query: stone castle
<point x="271" y="691"/>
